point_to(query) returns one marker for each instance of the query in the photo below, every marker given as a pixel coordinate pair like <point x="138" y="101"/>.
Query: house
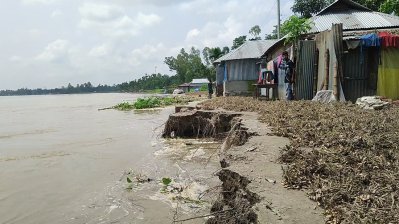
<point x="237" y="70"/>
<point x="193" y="85"/>
<point x="185" y="87"/>
<point x="349" y="50"/>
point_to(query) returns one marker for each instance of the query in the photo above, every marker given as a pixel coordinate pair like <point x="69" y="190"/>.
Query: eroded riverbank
<point x="250" y="190"/>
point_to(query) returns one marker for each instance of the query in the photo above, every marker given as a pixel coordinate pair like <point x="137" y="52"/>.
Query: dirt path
<point x="257" y="160"/>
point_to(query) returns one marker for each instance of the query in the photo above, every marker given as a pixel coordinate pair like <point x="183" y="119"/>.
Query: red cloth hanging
<point x="389" y="40"/>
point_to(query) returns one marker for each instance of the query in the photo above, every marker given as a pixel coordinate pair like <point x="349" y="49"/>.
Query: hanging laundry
<point x="352" y="44"/>
<point x="389" y="40"/>
<point x="370" y="40"/>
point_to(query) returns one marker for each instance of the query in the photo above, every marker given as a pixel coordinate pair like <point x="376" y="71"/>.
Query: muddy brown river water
<point x="63" y="161"/>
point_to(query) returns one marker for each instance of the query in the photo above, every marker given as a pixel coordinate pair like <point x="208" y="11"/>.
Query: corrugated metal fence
<point x="359" y="79"/>
<point x="305" y="70"/>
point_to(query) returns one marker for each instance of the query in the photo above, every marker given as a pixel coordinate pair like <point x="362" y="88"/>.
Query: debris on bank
<point x="371" y="103"/>
<point x="325" y="96"/>
<point x="345" y="157"/>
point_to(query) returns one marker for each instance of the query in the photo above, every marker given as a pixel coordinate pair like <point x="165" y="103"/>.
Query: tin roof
<point x="199" y="81"/>
<point x="250" y="49"/>
<point x="352" y="15"/>
<point x="353" y="20"/>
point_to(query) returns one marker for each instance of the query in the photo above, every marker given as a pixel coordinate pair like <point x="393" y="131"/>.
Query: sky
<point x="50" y="43"/>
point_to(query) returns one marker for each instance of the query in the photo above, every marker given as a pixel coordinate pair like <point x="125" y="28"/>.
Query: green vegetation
<point x="237" y="42"/>
<point x="123" y="106"/>
<point x="154" y="83"/>
<point x="151" y="102"/>
<point x="204" y="88"/>
<point x="166" y="181"/>
<point x="255" y="33"/>
<point x="307" y="8"/>
<point x="189" y="65"/>
<point x="295" y="27"/>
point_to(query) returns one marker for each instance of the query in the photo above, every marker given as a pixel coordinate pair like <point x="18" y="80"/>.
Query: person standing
<point x="287" y="68"/>
<point x="210" y="89"/>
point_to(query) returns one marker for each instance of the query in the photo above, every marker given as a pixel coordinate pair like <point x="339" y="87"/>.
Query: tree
<point x="273" y="35"/>
<point x="225" y="50"/>
<point x="374" y="5"/>
<point x="238" y="41"/>
<point x="390" y="6"/>
<point x="307" y="8"/>
<point x="212" y="54"/>
<point x="187" y="65"/>
<point x="205" y="55"/>
<point x="255" y="32"/>
<point x="215" y="53"/>
<point x="295" y="27"/>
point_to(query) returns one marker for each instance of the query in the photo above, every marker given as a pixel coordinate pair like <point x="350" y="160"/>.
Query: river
<point x="63" y="161"/>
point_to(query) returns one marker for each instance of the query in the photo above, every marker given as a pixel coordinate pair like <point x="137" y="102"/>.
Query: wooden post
<point x="335" y="81"/>
<point x="316" y="72"/>
<point x="327" y="70"/>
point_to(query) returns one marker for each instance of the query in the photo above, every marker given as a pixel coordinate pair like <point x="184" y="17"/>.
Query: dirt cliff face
<point x="235" y="203"/>
<point x="198" y="124"/>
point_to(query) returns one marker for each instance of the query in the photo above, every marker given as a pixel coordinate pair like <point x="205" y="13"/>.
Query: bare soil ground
<point x="258" y="161"/>
<point x="346" y="159"/>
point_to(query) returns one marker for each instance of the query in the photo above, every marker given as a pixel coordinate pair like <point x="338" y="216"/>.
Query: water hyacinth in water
<point x="152" y="102"/>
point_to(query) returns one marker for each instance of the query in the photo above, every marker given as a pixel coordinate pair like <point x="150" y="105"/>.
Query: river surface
<point x="64" y="161"/>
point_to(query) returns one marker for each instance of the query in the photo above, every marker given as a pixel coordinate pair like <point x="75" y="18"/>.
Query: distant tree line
<point x="150" y="82"/>
<point x="69" y="89"/>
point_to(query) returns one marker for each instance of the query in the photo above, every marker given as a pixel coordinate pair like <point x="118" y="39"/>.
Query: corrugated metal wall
<point x="219" y="74"/>
<point x="242" y="70"/>
<point x="305" y="70"/>
<point x="357" y="75"/>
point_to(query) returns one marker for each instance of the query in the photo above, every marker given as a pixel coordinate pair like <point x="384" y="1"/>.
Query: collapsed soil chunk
<point x="235" y="203"/>
<point x="199" y="124"/>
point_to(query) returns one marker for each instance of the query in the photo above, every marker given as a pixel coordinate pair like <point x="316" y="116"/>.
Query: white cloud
<point x="111" y="20"/>
<point x="100" y="51"/>
<point x="152" y="53"/>
<point x="15" y="58"/>
<point x="55" y="51"/>
<point x="34" y="33"/>
<point x="147" y="20"/>
<point x="192" y="34"/>
<point x="100" y="12"/>
<point x="32" y="2"/>
<point x="56" y="13"/>
<point x="215" y="34"/>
